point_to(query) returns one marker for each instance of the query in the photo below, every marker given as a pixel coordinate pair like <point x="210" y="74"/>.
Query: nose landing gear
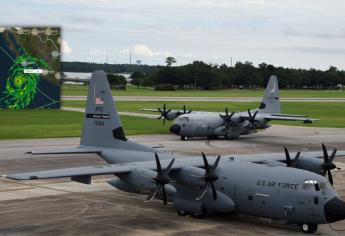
<point x="308" y="228"/>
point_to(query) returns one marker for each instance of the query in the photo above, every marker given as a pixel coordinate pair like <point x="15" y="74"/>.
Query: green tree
<point x="170" y="61"/>
<point x="117" y="81"/>
<point x="137" y="78"/>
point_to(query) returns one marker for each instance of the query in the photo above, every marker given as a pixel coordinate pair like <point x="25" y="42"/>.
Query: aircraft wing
<point x="70" y="172"/>
<point x="72" y="150"/>
<point x="88" y="171"/>
<point x="121" y="168"/>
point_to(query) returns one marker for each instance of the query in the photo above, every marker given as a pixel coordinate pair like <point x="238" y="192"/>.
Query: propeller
<point x="161" y="179"/>
<point x="227" y="118"/>
<point x="184" y="111"/>
<point x="209" y="177"/>
<point x="289" y="162"/>
<point x="164" y="113"/>
<point x="328" y="164"/>
<point x="252" y="118"/>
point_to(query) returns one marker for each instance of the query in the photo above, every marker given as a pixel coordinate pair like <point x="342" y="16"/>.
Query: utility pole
<point x="130" y="57"/>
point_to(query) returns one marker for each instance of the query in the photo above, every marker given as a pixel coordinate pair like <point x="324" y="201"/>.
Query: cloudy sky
<point x="290" y="33"/>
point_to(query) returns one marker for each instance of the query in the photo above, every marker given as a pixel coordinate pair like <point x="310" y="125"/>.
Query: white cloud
<point x="143" y="50"/>
<point x="65" y="48"/>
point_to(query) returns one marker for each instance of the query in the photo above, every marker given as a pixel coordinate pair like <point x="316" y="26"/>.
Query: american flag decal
<point x="99" y="101"/>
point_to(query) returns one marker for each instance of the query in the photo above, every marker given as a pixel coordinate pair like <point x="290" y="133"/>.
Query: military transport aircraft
<point x="188" y="124"/>
<point x="266" y="185"/>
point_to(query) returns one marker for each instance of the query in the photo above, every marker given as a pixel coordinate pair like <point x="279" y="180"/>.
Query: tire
<point x="309" y="228"/>
<point x="181" y="213"/>
<point x="183" y="138"/>
<point x="199" y="215"/>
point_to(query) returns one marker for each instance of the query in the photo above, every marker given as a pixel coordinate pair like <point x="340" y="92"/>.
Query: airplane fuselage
<point x="271" y="191"/>
<point x="208" y="124"/>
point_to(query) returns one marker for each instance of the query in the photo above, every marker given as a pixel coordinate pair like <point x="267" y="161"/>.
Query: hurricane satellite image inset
<point x="30" y="67"/>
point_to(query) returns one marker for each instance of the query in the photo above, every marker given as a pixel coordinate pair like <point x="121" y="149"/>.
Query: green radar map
<point x="30" y="67"/>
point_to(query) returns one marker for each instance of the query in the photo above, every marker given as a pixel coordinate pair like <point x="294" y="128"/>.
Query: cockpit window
<point x="323" y="186"/>
<point x="312" y="185"/>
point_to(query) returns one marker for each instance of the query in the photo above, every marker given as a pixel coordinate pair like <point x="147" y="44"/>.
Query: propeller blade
<point x="294" y="163"/>
<point x="226" y="111"/>
<point x="203" y="193"/>
<point x="331" y="158"/>
<point x="207" y="167"/>
<point x="255" y="115"/>
<point x="164" y="121"/>
<point x="165" y="197"/>
<point x="152" y="194"/>
<point x="215" y="165"/>
<point x="184" y="109"/>
<point x="158" y="118"/>
<point x="330" y="177"/>
<point x="158" y="163"/>
<point x="189" y="111"/>
<point x="325" y="153"/>
<point x="287" y="156"/>
<point x="214" y="192"/>
<point x="249" y="114"/>
<point x="167" y="170"/>
<point x="232" y="113"/>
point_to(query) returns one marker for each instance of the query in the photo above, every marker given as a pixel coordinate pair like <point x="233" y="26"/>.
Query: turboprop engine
<point x="140" y="181"/>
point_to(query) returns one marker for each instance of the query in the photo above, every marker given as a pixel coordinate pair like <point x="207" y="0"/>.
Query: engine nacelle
<point x="172" y="115"/>
<point x="311" y="164"/>
<point x="220" y="131"/>
<point x="140" y="180"/>
<point x="190" y="175"/>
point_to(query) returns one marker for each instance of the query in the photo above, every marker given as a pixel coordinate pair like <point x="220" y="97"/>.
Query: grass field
<point x="28" y="124"/>
<point x="79" y="90"/>
<point x="25" y="124"/>
<point x="330" y="114"/>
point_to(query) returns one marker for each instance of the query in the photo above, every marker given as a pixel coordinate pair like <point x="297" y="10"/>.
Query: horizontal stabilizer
<point x="289" y="118"/>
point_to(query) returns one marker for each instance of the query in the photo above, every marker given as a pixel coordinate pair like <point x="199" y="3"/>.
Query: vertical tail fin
<point x="270" y="102"/>
<point x="102" y="124"/>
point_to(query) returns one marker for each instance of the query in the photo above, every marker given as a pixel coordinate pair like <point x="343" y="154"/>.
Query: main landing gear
<point x="196" y="215"/>
<point x="308" y="228"/>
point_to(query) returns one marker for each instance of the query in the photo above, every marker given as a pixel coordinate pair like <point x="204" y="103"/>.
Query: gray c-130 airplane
<point x="271" y="185"/>
<point x="188" y="124"/>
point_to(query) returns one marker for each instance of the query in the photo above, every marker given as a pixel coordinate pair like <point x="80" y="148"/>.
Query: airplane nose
<point x="175" y="128"/>
<point x="335" y="210"/>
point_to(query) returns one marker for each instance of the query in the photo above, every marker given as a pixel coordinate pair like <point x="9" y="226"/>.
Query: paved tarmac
<point x="206" y="99"/>
<point x="61" y="207"/>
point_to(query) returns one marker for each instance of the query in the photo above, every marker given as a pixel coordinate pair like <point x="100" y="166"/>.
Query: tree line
<point x="109" y="68"/>
<point x="200" y="75"/>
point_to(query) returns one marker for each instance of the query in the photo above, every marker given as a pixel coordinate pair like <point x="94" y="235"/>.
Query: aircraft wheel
<point x="309" y="228"/>
<point x="181" y="213"/>
<point x="199" y="215"/>
<point x="183" y="138"/>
